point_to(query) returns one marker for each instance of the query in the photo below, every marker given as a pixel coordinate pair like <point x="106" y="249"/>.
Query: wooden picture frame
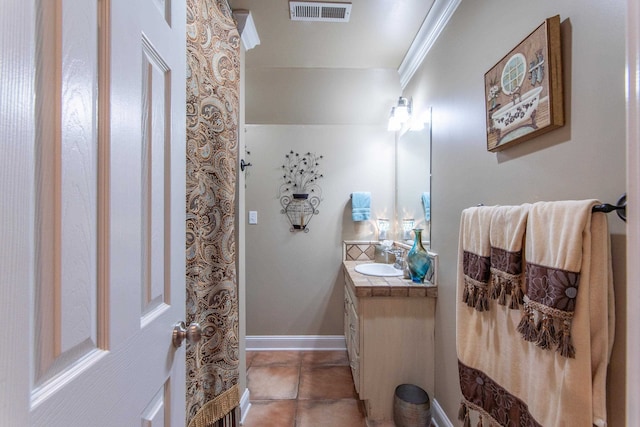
<point x="523" y="92"/>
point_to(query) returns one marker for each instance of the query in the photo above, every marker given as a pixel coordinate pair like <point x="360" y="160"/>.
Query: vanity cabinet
<point x="389" y="333"/>
<point x="352" y="335"/>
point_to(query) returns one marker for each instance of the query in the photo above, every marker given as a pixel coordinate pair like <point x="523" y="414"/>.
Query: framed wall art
<point x="523" y="91"/>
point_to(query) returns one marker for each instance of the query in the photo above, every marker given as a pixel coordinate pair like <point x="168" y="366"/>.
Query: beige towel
<point x="508" y="224"/>
<point x="475" y="255"/>
<point x="512" y="382"/>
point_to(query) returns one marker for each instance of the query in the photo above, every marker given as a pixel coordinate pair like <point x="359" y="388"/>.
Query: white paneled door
<point x="92" y="212"/>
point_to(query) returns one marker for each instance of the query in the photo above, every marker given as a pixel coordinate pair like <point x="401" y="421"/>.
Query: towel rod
<point x="620" y="207"/>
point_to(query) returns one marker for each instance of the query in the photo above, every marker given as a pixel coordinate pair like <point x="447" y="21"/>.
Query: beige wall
<point x="585" y="159"/>
<point x="331" y="96"/>
<point x="294" y="280"/>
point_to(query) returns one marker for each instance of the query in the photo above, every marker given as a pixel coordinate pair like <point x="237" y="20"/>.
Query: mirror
<point x="413" y="181"/>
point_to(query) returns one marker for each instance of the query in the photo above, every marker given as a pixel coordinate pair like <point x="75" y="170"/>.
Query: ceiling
<point x="378" y="35"/>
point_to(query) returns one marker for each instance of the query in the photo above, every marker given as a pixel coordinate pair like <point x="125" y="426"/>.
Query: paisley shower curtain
<point x="213" y="54"/>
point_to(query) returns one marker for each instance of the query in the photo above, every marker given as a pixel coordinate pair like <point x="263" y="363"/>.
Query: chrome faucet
<point x="399" y="254"/>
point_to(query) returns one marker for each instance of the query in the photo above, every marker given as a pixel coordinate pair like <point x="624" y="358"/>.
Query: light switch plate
<point x="253" y="217"/>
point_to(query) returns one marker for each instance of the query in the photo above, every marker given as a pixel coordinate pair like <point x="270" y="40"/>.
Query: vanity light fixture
<point x="394" y="123"/>
<point x="400" y="114"/>
<point x="383" y="228"/>
<point x="407" y="226"/>
<point x="403" y="109"/>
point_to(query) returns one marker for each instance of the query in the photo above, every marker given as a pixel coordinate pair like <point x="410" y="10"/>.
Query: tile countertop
<point x="374" y="286"/>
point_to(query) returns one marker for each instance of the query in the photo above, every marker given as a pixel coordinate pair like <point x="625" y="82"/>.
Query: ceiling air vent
<point x="316" y="11"/>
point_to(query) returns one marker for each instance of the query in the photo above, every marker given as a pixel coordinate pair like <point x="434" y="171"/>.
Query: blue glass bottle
<point x="418" y="259"/>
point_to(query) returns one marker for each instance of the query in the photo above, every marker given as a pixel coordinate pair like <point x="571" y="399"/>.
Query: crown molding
<point x="246" y="28"/>
<point x="438" y="16"/>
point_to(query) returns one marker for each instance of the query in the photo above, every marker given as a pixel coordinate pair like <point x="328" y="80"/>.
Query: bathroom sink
<point x="377" y="269"/>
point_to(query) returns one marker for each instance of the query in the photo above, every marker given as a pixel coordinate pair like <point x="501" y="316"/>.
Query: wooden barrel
<point x="411" y="406"/>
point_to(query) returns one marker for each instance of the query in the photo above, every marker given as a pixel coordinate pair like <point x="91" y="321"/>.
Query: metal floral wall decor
<point x="524" y="90"/>
<point x="300" y="194"/>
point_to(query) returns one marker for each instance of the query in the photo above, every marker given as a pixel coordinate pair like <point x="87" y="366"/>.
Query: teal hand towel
<point x="426" y="203"/>
<point x="360" y="206"/>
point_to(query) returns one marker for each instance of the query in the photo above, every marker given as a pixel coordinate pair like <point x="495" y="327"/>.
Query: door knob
<point x="193" y="333"/>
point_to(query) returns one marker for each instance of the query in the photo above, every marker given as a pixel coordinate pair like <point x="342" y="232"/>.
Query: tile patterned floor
<point x="302" y="389"/>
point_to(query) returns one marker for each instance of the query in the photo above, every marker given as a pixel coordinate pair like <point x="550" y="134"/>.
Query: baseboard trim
<point x="440" y="419"/>
<point x="245" y="405"/>
<point x="295" y="342"/>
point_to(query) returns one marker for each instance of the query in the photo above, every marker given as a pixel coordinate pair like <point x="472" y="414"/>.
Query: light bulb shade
<point x="394" y="124"/>
<point x="400" y="114"/>
<point x="403" y="110"/>
<point x="407" y="226"/>
<point x="383" y="228"/>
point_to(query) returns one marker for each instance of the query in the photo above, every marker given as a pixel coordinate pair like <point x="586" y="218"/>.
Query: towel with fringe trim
<point x="476" y="255"/>
<point x="555" y="257"/>
<point x="508" y="224"/>
<point x="509" y="381"/>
